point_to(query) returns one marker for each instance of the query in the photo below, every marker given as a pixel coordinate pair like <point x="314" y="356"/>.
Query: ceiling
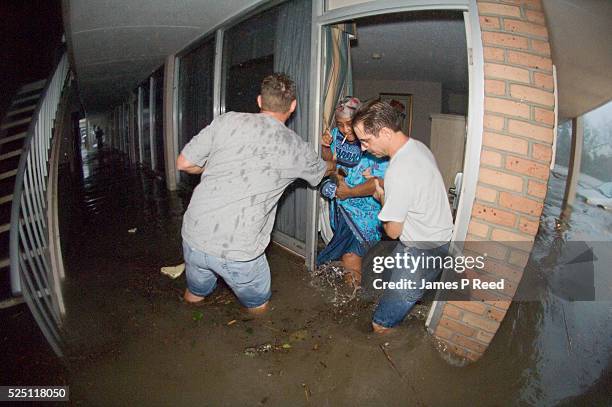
<point x="422" y="46"/>
<point x="116" y="44"/>
<point x="581" y="42"/>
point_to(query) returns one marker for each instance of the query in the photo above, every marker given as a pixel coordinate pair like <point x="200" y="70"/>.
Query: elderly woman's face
<point x="345" y="125"/>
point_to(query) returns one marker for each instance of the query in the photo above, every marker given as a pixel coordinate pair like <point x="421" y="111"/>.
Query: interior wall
<point x="427" y="99"/>
<point x="454" y="102"/>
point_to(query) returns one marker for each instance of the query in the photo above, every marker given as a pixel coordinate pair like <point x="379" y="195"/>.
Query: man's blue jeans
<point x="249" y="280"/>
<point x="394" y="304"/>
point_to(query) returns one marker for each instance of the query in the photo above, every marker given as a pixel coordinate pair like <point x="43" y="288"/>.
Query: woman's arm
<point x="364" y="189"/>
<point x="326" y="153"/>
<point x="326" y="142"/>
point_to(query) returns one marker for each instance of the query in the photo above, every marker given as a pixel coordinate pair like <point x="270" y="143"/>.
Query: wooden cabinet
<point x="447" y="144"/>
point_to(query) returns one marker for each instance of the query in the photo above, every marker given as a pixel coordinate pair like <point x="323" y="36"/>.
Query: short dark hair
<point x="376" y="114"/>
<point x="277" y="93"/>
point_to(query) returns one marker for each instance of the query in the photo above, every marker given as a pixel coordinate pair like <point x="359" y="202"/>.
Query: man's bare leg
<point x="191" y="298"/>
<point x="379" y="329"/>
<point x="352" y="264"/>
<point x="259" y="310"/>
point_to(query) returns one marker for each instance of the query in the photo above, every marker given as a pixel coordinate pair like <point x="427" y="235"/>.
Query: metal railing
<point x="35" y="254"/>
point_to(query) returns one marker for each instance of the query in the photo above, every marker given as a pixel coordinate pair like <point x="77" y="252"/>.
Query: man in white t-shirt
<point x="415" y="208"/>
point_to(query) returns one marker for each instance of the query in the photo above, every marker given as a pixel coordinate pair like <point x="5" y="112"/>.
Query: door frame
<point x="321" y="18"/>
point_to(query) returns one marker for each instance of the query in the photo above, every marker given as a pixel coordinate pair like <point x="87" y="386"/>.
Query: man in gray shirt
<point x="246" y="161"/>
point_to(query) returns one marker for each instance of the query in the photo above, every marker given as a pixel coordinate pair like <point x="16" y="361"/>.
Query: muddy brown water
<point x="131" y="341"/>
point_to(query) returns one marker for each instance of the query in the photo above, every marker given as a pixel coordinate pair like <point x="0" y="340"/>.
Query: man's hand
<point x="379" y="193"/>
<point x="183" y="164"/>
<point x="367" y="173"/>
<point x="326" y="139"/>
<point x="343" y="191"/>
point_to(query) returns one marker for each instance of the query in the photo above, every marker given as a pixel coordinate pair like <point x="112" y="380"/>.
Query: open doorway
<point x="418" y="61"/>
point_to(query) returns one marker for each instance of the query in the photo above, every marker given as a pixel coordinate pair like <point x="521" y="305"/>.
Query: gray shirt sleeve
<point x="197" y="150"/>
<point x="307" y="164"/>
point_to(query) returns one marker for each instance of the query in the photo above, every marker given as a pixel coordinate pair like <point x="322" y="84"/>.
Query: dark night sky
<point x="31" y="31"/>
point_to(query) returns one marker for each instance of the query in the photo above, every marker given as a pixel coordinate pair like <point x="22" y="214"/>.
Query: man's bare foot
<point x="258" y="310"/>
<point x="379" y="329"/>
<point x="191" y="298"/>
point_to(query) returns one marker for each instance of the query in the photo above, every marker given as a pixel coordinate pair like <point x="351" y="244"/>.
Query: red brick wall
<point x="514" y="166"/>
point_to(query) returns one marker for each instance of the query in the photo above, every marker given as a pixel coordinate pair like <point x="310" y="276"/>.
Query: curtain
<point x="338" y="83"/>
<point x="292" y="56"/>
<point x="195" y="97"/>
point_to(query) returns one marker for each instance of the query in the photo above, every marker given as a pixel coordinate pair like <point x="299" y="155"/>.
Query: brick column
<point x="514" y="167"/>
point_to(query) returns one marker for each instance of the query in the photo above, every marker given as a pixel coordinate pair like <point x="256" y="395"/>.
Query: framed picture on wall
<point x="402" y="102"/>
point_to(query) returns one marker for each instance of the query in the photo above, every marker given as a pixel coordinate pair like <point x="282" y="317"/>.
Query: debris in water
<point x="197" y="315"/>
<point x="132" y="230"/>
<point x="232" y="322"/>
<point x="298" y="335"/>
<point x="419" y="311"/>
<point x="253" y="351"/>
<point x="307" y="392"/>
<point x="173" y="271"/>
<point x="382" y="347"/>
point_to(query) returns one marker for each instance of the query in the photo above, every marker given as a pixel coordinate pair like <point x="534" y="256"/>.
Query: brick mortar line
<point x="531" y="70"/>
<point x="530" y="52"/>
<point x="520" y="6"/>
<point x="522" y="120"/>
<point x="509" y="229"/>
<point x="451" y="343"/>
<point x="529" y="48"/>
<point x="514" y="65"/>
<point x="489" y="44"/>
<point x="484" y="315"/>
<point x="497" y="205"/>
<point x="523" y="138"/>
<point x="471" y="326"/>
<point x="494" y="276"/>
<point x="484" y="304"/>
<point x="518" y="118"/>
<point x="498" y="188"/>
<point x="515" y="82"/>
<point x="524" y="101"/>
<point x="530" y="158"/>
<point x="491" y="224"/>
<point x="502" y="30"/>
<point x="523" y="19"/>
<point x="531" y="152"/>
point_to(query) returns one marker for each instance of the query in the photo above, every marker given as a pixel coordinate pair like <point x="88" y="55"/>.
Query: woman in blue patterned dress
<point x="353" y="211"/>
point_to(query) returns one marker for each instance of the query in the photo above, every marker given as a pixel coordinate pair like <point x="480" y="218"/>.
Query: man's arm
<point x="393" y="229"/>
<point x="183" y="164"/>
<point x="364" y="189"/>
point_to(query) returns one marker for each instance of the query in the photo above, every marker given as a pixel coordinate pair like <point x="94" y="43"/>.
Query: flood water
<point x="131" y="341"/>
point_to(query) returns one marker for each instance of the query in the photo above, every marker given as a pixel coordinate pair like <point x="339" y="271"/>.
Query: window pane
<point x="146" y="125"/>
<point x="248" y="57"/>
<point x="158" y="78"/>
<point x="195" y="98"/>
